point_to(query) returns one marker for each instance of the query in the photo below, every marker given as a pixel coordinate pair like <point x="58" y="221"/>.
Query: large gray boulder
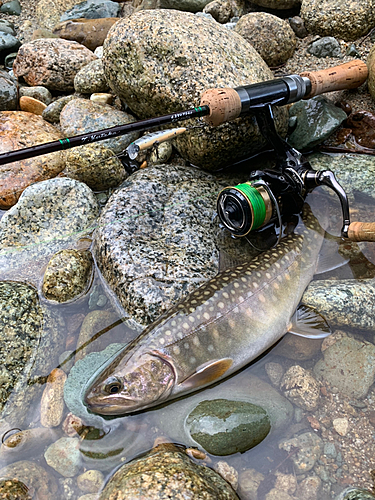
<point x="161" y="61"/>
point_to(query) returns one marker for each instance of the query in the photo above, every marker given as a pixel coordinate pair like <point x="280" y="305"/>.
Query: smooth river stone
<point x="18" y="130"/>
<point x="88" y="32"/>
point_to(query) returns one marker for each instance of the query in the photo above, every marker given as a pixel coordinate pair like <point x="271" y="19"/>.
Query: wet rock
<point x="160" y="154"/>
<point x="224" y="427"/>
<point x="92" y="9"/>
<point x="31" y="105"/>
<point x="41" y="485"/>
<point x="93" y="323"/>
<point x="272" y="37"/>
<point x="297" y="348"/>
<point x="64" y="456"/>
<point x="277" y="4"/>
<point x="67" y="275"/>
<point x="13" y="8"/>
<point x="298" y="26"/>
<point x="53" y="110"/>
<point x="13" y="489"/>
<point x="333" y="299"/>
<point x="38" y="92"/>
<point x="220" y="10"/>
<point x="248" y="483"/>
<point x="300" y="387"/>
<point x="276" y="494"/>
<point x="96" y="166"/>
<point x="51" y="62"/>
<point x="48" y="14"/>
<point x="81" y="116"/>
<point x="362" y="125"/>
<point x="341" y="426"/>
<point x="8" y="92"/>
<point x="184" y="5"/>
<point x="90" y="481"/>
<point x="88" y="32"/>
<point x="8" y="43"/>
<point x="7" y="27"/>
<point x="52" y="403"/>
<point x="310" y="448"/>
<point x="371" y="71"/>
<point x="165" y="470"/>
<point x="346" y="20"/>
<point x="355" y="494"/>
<point x="317" y="119"/>
<point x="25" y="443"/>
<point x="286" y="483"/>
<point x="29" y="346"/>
<point x="325" y="47"/>
<point x="101" y="98"/>
<point x="309" y="488"/>
<point x="91" y="78"/>
<point x="228" y="473"/>
<point x="167" y="67"/>
<point x="348" y="364"/>
<point x="275" y="372"/>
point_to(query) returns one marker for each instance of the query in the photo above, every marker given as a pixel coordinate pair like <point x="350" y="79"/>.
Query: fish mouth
<point x="114" y="406"/>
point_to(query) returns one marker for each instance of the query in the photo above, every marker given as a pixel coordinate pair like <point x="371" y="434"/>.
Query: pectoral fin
<point x="307" y="322"/>
<point x="207" y="373"/>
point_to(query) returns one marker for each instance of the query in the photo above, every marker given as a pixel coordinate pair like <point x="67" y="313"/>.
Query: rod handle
<point x="225" y="105"/>
<point x="361" y="231"/>
<point x="346" y="76"/>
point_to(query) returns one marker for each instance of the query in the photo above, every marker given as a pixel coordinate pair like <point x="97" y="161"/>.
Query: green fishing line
<point x="256" y="201"/>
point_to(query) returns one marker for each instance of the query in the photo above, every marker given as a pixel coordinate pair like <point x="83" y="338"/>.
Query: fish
<point x="217" y="329"/>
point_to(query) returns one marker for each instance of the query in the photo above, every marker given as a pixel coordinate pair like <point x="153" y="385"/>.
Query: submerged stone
<point x="355" y="494"/>
<point x="64" y="456"/>
<point x="13" y="489"/>
<point x="224" y="427"/>
<point x="33" y="476"/>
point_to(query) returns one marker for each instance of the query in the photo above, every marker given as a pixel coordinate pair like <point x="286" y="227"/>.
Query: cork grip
<point x="346" y="76"/>
<point x="361" y="231"/>
<point x="225" y="105"/>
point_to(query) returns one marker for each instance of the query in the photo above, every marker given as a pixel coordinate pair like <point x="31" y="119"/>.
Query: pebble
<point x="228" y="473"/>
<point x="8" y="93"/>
<point x="286" y="482"/>
<point x="13" y="489"/>
<point x="101" y="98"/>
<point x="355" y="494"/>
<point x="8" y="43"/>
<point x="53" y="110"/>
<point x="341" y="426"/>
<point x="325" y="47"/>
<point x="248" y="483"/>
<point x="88" y="32"/>
<point x="38" y="92"/>
<point x="220" y="10"/>
<point x="309" y="449"/>
<point x="298" y="26"/>
<point x="91" y="78"/>
<point x="275" y="372"/>
<point x="13" y="8"/>
<point x="32" y="105"/>
<point x="277" y="4"/>
<point x="92" y="9"/>
<point x="301" y="388"/>
<point x="7" y="27"/>
<point x="90" y="481"/>
<point x="309" y="488"/>
<point x="64" y="456"/>
<point x="52" y="403"/>
<point x="276" y="494"/>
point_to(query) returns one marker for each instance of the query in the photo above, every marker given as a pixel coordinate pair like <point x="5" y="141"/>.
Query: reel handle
<point x="345" y="76"/>
<point x="361" y="231"/>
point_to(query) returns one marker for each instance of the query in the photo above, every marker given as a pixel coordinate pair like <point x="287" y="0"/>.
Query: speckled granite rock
<point x="91" y="78"/>
<point x="19" y="129"/>
<point x="277" y="4"/>
<point x="49" y="216"/>
<point x="185" y="5"/>
<point x="29" y="345"/>
<point x="96" y="166"/>
<point x="13" y="489"/>
<point x="166" y="471"/>
<point x="161" y="61"/>
<point x="347" y="20"/>
<point x="89" y="32"/>
<point x="327" y="46"/>
<point x="220" y="10"/>
<point x="67" y="275"/>
<point x="271" y="36"/>
<point x="8" y="92"/>
<point x="41" y="484"/>
<point x="81" y="116"/>
<point x="48" y="13"/>
<point x="300" y="387"/>
<point x="174" y="207"/>
<point x="345" y="302"/>
<point x="92" y="9"/>
<point x="53" y="110"/>
<point x="51" y="62"/>
<point x="349" y="365"/>
<point x="309" y="449"/>
<point x="38" y="92"/>
<point x="371" y="71"/>
<point x="355" y="494"/>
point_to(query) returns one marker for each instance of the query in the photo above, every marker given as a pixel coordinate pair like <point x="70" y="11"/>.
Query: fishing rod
<point x="271" y="195"/>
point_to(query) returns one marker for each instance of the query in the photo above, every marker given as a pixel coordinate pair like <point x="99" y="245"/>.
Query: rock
<point x="29" y="346"/>
<point x="333" y="298"/>
<point x="184" y="5"/>
<point x="38" y="92"/>
<point x="348" y="364"/>
<point x="371" y="71"/>
<point x="160" y="154"/>
<point x="19" y="130"/>
<point x="166" y="471"/>
<point x="277" y="4"/>
<point x="88" y="32"/>
<point x="101" y="98"/>
<point x="161" y="61"/>
<point x="341" y="426"/>
<point x="276" y="494"/>
<point x="272" y="37"/>
<point x="53" y="110"/>
<point x="362" y="125"/>
<point x="346" y="20"/>
<point x="67" y="275"/>
<point x="275" y="372"/>
<point x="224" y="427"/>
<point x="248" y="483"/>
<point x="8" y="93"/>
<point x="310" y="448"/>
<point x="13" y="8"/>
<point x="286" y="483"/>
<point x="13" y="489"/>
<point x="7" y="27"/>
<point x="31" y="105"/>
<point x="40" y="484"/>
<point x="90" y="481"/>
<point x="325" y="47"/>
<point x="220" y="10"/>
<point x="51" y="62"/>
<point x="355" y="494"/>
<point x="81" y="116"/>
<point x="50" y="216"/>
<point x="52" y="403"/>
<point x="309" y="488"/>
<point x="297" y="25"/>
<point x="25" y="443"/>
<point x="301" y="388"/>
<point x="96" y="166"/>
<point x="228" y="473"/>
<point x="297" y="348"/>
<point x="317" y="119"/>
<point x="91" y="78"/>
<point x="48" y="14"/>
<point x="94" y="322"/>
<point x="64" y="456"/>
<point x="8" y="43"/>
<point x="92" y="9"/>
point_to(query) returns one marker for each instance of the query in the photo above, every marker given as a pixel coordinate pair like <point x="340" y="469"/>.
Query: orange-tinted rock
<point x="89" y="32"/>
<point x="362" y="124"/>
<point x="32" y="105"/>
<point x="19" y="129"/>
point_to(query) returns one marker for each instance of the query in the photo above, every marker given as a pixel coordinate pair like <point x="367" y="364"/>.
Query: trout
<point x="218" y="329"/>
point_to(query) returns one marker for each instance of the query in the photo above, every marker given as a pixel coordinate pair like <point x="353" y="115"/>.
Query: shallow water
<point x="121" y="439"/>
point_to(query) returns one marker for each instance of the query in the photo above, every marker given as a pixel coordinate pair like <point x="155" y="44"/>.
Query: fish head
<point x="145" y="381"/>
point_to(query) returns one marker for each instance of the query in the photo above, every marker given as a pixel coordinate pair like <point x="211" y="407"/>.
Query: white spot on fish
<point x="262" y="298"/>
<point x="196" y="341"/>
<point x="243" y="279"/>
<point x="236" y="285"/>
<point x="162" y="341"/>
<point x="191" y="319"/>
<point x="187" y="345"/>
<point x="276" y="286"/>
<point x="192" y="360"/>
<point x="168" y="332"/>
<point x="255" y="284"/>
<point x="186" y="326"/>
<point x="287" y="276"/>
<point x="268" y="276"/>
<point x="176" y="349"/>
<point x="226" y="295"/>
<point x="206" y="315"/>
<point x="210" y="348"/>
<point x="221" y="305"/>
<point x="173" y="323"/>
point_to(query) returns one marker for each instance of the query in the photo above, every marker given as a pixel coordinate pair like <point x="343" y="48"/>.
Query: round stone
<point x="224" y="427"/>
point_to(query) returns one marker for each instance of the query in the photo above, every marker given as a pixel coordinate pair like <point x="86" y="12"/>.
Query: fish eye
<point x="113" y="386"/>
